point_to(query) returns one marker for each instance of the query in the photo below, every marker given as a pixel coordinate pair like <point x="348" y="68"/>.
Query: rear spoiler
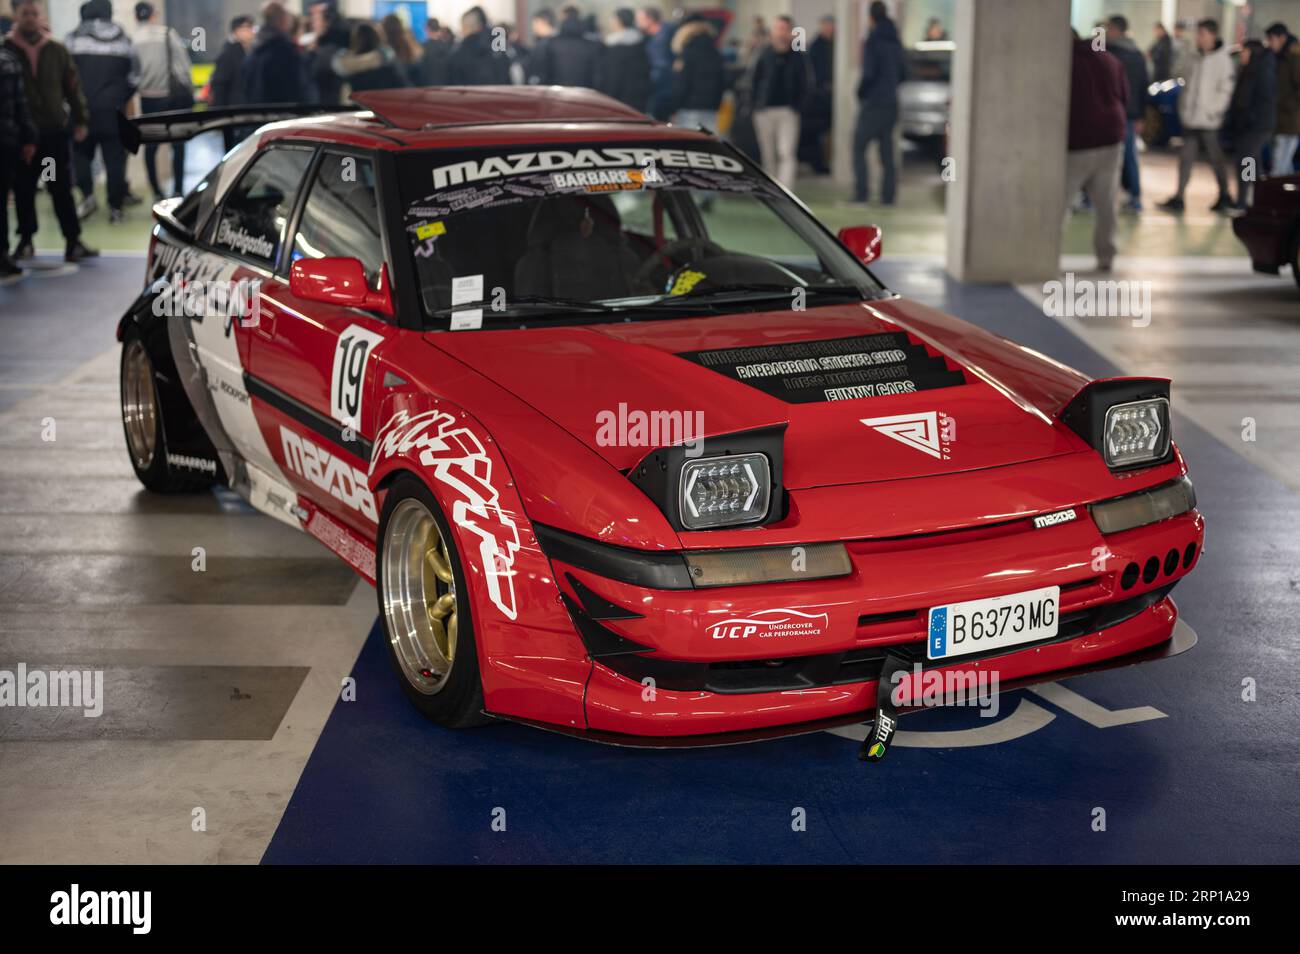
<point x="182" y="124"/>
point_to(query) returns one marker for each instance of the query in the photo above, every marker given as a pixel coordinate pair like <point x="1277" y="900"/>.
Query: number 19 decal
<point x="354" y="347"/>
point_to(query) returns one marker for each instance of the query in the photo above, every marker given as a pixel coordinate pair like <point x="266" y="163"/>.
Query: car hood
<point x="603" y="384"/>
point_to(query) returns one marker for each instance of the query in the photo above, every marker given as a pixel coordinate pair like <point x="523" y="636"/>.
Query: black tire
<point x="458" y="703"/>
<point x="151" y="468"/>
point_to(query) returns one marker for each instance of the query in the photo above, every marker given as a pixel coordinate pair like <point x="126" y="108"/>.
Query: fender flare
<point x="455" y="456"/>
<point x="183" y="432"/>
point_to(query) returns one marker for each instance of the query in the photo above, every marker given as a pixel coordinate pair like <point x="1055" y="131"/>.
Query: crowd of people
<point x="59" y="102"/>
<point x="1224" y="109"/>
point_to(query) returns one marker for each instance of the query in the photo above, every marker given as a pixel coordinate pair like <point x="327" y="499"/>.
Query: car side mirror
<point x="340" y="281"/>
<point x="863" y="241"/>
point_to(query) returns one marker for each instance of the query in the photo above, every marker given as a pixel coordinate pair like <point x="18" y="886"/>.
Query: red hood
<point x="579" y="376"/>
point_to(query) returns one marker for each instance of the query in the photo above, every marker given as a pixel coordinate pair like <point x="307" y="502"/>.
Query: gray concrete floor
<point x="221" y="679"/>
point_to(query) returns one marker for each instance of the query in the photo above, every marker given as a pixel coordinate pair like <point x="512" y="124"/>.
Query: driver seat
<point x="576" y="249"/>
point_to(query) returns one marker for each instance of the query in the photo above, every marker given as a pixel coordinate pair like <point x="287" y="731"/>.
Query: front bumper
<point x="661" y="672"/>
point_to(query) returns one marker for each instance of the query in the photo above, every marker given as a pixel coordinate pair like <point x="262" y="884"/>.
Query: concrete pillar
<point x="850" y="24"/>
<point x="1010" y="113"/>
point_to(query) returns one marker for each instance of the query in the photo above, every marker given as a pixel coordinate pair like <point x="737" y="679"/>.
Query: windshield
<point x="573" y="233"/>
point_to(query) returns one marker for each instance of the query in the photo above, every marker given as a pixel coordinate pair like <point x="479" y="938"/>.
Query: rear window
<point x="933" y="66"/>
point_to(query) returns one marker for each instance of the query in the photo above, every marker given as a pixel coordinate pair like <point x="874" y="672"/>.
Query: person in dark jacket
<point x="330" y="35"/>
<point x="659" y="49"/>
<point x="699" y="74"/>
<point x="437" y="54"/>
<point x="570" y="58"/>
<point x="882" y="71"/>
<point x="110" y="74"/>
<point x="1098" y="114"/>
<point x="1286" y="133"/>
<point x="1162" y="55"/>
<point x="543" y="32"/>
<point x="53" y="90"/>
<point x="273" y="72"/>
<point x="778" y="86"/>
<point x="226" y="88"/>
<point x="625" y="67"/>
<point x="368" y="63"/>
<point x="1120" y="46"/>
<point x="475" y="61"/>
<point x="17" y="144"/>
<point x="815" y="124"/>
<point x="1251" y="114"/>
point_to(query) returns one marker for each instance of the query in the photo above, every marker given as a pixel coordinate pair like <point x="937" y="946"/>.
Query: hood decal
<point x="833" y="369"/>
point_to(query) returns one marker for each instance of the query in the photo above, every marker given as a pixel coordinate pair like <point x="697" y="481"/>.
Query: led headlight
<point x="724" y="491"/>
<point x="1136" y="432"/>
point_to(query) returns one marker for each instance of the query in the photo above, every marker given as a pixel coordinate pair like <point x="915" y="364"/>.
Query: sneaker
<point x="1173" y="205"/>
<point x="8" y="268"/>
<point x="77" y="250"/>
<point x="116" y="216"/>
<point x="87" y="207"/>
<point x="132" y="199"/>
<point x="1131" y="205"/>
<point x="1222" y="205"/>
<point x="24" y="250"/>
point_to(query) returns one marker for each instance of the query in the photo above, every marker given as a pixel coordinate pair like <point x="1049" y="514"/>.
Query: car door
<point x="311" y="363"/>
<point x="237" y="258"/>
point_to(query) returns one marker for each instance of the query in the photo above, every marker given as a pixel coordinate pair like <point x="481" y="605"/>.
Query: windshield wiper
<point x="528" y="305"/>
<point x="754" y="292"/>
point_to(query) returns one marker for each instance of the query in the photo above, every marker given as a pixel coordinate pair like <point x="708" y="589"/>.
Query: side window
<point x="253" y="217"/>
<point x="341" y="217"/>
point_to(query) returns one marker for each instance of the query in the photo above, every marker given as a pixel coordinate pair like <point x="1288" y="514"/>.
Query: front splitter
<point x="1180" y="641"/>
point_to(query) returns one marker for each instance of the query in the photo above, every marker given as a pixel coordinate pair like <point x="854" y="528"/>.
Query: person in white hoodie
<point x="1202" y="106"/>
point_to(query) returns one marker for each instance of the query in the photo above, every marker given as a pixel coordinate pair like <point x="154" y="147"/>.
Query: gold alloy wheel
<point x="419" y="596"/>
<point x="139" y="404"/>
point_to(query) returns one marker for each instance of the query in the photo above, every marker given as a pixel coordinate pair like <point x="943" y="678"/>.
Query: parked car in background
<point x="1270" y="229"/>
<point x="1162" y="112"/>
<point x="924" y="98"/>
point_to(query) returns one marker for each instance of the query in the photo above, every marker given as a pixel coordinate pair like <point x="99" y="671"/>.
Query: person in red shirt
<point x="1098" y="115"/>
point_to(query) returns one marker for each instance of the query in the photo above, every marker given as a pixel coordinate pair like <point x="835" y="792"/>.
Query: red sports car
<point x="630" y="445"/>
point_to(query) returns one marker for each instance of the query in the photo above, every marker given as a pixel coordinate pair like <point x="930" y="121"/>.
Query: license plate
<point x="978" y="626"/>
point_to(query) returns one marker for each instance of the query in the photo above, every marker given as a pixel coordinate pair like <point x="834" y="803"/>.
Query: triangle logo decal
<point x="918" y="431"/>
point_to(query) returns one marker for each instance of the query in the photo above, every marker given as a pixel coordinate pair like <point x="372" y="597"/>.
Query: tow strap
<point x="880" y="731"/>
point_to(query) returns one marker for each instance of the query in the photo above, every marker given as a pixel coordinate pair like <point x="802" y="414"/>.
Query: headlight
<point x="724" y="491"/>
<point x="1136" y="432"/>
<point x="1126" y="420"/>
